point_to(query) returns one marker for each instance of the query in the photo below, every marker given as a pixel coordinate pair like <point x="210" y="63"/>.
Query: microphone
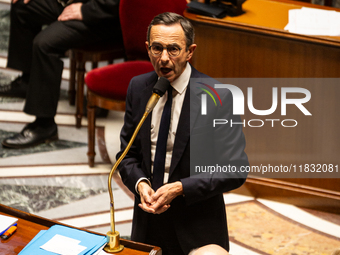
<point x="159" y="89"/>
<point x="161" y="86"/>
<point x="113" y="238"/>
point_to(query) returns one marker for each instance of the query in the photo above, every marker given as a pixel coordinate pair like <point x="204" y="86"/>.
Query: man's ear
<point x="191" y="50"/>
<point x="147" y="47"/>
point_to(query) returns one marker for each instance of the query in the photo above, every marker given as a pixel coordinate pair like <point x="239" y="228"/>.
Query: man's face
<point x="165" y="36"/>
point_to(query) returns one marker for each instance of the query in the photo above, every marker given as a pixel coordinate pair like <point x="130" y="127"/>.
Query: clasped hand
<point x="159" y="201"/>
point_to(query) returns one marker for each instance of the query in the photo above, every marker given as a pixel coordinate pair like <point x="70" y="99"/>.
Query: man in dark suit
<point x="36" y="50"/>
<point x="187" y="210"/>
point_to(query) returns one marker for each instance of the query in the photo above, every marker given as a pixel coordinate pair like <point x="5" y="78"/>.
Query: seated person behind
<point x="37" y="52"/>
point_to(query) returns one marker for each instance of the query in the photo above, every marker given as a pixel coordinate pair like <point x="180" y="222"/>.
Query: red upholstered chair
<point x="107" y="86"/>
<point x="135" y="17"/>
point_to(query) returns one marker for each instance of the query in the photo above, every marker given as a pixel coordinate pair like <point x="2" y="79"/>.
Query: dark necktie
<point x="159" y="162"/>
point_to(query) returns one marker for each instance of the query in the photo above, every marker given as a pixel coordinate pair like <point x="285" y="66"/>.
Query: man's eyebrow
<point x="171" y="44"/>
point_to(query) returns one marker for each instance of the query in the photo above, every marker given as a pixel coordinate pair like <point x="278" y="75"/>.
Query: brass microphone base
<point x="113" y="244"/>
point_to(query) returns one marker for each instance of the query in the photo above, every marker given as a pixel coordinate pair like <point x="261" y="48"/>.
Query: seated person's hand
<point x="25" y="1"/>
<point x="71" y="12"/>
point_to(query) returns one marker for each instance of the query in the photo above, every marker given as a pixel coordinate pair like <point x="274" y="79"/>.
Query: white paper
<point x="100" y="251"/>
<point x="63" y="245"/>
<point x="6" y="221"/>
<point x="311" y="21"/>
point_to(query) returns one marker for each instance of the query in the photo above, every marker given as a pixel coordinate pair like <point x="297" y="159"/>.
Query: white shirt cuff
<point x="142" y="179"/>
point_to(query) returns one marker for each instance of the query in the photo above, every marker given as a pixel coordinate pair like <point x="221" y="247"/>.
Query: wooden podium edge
<point x="154" y="250"/>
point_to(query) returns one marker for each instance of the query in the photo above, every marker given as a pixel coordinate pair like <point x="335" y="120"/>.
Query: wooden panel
<point x="255" y="45"/>
<point x="237" y="53"/>
<point x="314" y="139"/>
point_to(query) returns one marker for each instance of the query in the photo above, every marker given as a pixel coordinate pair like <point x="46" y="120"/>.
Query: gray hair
<point x="170" y="18"/>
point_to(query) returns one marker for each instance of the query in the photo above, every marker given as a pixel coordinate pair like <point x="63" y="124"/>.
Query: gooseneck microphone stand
<point x="113" y="242"/>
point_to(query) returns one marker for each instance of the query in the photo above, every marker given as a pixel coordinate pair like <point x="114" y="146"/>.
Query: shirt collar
<point x="182" y="81"/>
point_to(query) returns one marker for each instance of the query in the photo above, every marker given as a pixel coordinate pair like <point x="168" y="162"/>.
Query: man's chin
<point x="170" y="77"/>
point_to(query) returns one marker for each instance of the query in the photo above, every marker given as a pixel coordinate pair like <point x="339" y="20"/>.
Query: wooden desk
<point x="255" y="45"/>
<point x="29" y="225"/>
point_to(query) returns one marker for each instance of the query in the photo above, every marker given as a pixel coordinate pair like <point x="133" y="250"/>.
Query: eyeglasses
<point x="157" y="50"/>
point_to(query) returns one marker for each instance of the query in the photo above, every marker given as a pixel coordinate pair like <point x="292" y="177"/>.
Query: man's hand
<point x="71" y="12"/>
<point x="162" y="198"/>
<point x="25" y="1"/>
<point x="159" y="201"/>
<point x="145" y="192"/>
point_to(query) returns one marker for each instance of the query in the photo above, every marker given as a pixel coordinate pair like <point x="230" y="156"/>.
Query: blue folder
<point x="92" y="242"/>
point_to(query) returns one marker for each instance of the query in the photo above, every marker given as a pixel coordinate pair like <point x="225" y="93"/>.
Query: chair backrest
<point x="136" y="15"/>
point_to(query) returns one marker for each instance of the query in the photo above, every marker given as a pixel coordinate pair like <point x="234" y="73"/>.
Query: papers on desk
<point x="63" y="245"/>
<point x="310" y="21"/>
<point x="102" y="252"/>
<point x="64" y="241"/>
<point x="6" y="222"/>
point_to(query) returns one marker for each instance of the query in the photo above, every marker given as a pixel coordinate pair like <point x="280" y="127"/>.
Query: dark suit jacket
<point x="97" y="11"/>
<point x="199" y="215"/>
<point x="102" y="16"/>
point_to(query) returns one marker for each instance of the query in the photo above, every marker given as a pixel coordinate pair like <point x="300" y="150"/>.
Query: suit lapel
<point x="189" y="113"/>
<point x="182" y="133"/>
<point x="146" y="127"/>
<point x="185" y="123"/>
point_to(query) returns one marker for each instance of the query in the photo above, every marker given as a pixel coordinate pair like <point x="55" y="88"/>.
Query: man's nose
<point x="165" y="55"/>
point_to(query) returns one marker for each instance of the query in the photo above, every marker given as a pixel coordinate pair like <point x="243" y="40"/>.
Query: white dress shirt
<point x="178" y="93"/>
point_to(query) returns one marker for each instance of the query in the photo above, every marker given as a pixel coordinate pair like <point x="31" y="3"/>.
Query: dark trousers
<point x="38" y="51"/>
<point x="161" y="233"/>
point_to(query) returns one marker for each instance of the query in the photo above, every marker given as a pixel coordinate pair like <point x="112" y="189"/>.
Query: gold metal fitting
<point x="113" y="244"/>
